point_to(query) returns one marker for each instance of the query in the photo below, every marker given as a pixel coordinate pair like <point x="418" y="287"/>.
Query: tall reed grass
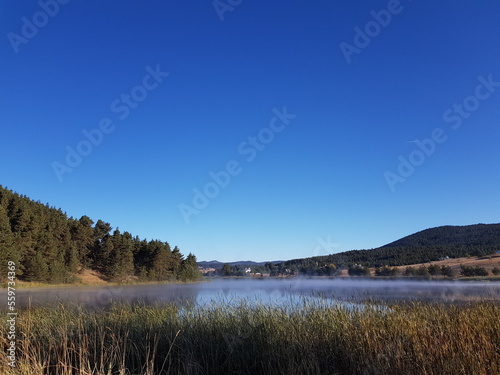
<point x="248" y="338"/>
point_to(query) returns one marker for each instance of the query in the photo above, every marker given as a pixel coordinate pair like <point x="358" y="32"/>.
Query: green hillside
<point x="473" y="235"/>
<point x="49" y="246"/>
<point x="425" y="246"/>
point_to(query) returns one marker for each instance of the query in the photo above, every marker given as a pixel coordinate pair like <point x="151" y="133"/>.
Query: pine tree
<point x="102" y="246"/>
<point x="20" y="225"/>
<point x="57" y="271"/>
<point x="82" y="234"/>
<point x="142" y="258"/>
<point x="102" y="254"/>
<point x="36" y="268"/>
<point x="189" y="269"/>
<point x="161" y="265"/>
<point x="71" y="259"/>
<point x="7" y="249"/>
<point x="48" y="246"/>
<point x="227" y="270"/>
<point x="176" y="259"/>
<point x="121" y="262"/>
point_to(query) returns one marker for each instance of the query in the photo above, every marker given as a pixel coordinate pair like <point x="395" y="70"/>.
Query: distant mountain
<point x="218" y="265"/>
<point x="421" y="247"/>
<point x="478" y="234"/>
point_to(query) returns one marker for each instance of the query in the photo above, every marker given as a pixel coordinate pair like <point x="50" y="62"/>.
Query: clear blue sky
<point x="328" y="175"/>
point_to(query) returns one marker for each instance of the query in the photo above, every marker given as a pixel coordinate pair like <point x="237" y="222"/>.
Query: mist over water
<point x="266" y="291"/>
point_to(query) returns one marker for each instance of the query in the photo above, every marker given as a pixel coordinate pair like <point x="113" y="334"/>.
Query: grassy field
<point x="92" y="278"/>
<point x="488" y="262"/>
<point x="257" y="339"/>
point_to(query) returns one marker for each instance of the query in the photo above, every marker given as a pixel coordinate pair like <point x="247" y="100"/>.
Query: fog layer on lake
<point x="267" y="291"/>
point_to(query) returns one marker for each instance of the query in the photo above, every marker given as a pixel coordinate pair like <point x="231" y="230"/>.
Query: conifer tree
<point x="189" y="269"/>
<point x="82" y="234"/>
<point x="48" y="246"/>
<point x="177" y="259"/>
<point x="36" y="268"/>
<point x="161" y="263"/>
<point x="121" y="259"/>
<point x="7" y="249"/>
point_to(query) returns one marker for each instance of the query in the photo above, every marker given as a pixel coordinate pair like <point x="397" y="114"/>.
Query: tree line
<point x="357" y="270"/>
<point x="49" y="246"/>
<point x="422" y="247"/>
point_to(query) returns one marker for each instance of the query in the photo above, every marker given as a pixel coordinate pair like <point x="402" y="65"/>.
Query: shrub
<point x="358" y="270"/>
<point x="469" y="271"/>
<point x="422" y="271"/>
<point x="409" y="271"/>
<point x="447" y="271"/>
<point x="386" y="271"/>
<point x="434" y="270"/>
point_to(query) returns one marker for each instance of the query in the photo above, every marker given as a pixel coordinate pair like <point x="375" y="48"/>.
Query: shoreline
<point x="26" y="285"/>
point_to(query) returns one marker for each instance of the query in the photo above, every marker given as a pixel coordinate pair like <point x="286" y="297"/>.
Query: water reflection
<point x="270" y="291"/>
<point x="104" y="296"/>
<point x="357" y="290"/>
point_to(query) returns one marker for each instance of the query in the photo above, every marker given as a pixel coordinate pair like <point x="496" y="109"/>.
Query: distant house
<point x="248" y="270"/>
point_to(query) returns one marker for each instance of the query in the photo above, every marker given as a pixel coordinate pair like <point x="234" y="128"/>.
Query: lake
<point x="267" y="291"/>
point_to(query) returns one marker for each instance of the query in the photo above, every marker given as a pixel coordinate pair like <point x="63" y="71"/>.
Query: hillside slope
<point x="422" y="247"/>
<point x="478" y="234"/>
<point x="48" y="246"/>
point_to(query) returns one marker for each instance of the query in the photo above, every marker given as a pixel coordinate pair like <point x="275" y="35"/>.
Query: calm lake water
<point x="272" y="291"/>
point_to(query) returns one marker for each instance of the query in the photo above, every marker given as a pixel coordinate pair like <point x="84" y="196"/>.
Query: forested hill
<point x="49" y="246"/>
<point x="425" y="246"/>
<point x="478" y="235"/>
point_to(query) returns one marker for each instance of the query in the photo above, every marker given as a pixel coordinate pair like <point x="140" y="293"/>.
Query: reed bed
<point x="252" y="338"/>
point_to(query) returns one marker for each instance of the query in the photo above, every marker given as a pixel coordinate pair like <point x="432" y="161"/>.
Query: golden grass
<point x="90" y="277"/>
<point x="489" y="262"/>
<point x="93" y="278"/>
<point x="245" y="338"/>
